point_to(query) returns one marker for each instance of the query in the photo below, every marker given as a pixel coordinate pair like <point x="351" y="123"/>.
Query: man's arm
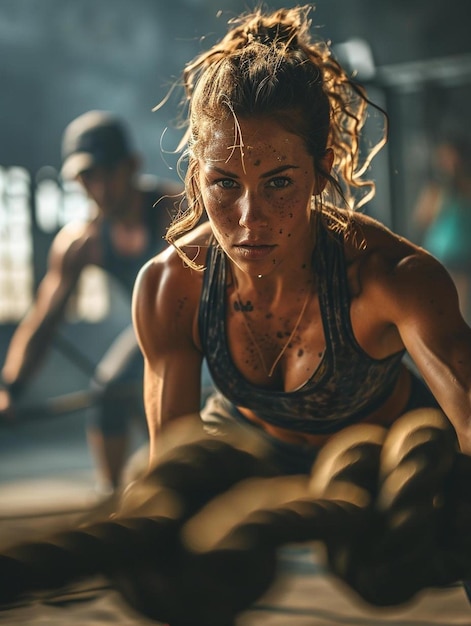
<point x="35" y="332"/>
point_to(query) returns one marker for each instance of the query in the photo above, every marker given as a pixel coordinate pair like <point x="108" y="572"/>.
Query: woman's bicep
<point x="143" y="306"/>
<point x="172" y="388"/>
<point x="172" y="361"/>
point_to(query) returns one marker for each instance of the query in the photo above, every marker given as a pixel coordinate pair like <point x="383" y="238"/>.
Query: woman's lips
<point x="254" y="251"/>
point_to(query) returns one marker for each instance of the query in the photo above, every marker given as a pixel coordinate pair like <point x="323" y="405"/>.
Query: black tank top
<point x="348" y="384"/>
<point x="126" y="267"/>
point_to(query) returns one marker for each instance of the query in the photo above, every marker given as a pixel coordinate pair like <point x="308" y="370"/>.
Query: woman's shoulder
<point x="194" y="244"/>
<point x="378" y="252"/>
<point x="384" y="257"/>
<point x="168" y="276"/>
<point x="166" y="295"/>
<point x="364" y="234"/>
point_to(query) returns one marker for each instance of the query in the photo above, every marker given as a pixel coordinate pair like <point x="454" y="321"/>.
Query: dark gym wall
<point x="62" y="57"/>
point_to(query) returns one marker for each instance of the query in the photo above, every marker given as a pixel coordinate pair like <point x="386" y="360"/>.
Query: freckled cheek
<point x="289" y="214"/>
<point x="287" y="209"/>
<point x="215" y="206"/>
<point x="222" y="222"/>
<point x="222" y="209"/>
<point x="222" y="218"/>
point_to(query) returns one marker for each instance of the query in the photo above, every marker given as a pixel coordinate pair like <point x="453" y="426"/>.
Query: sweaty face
<point x="257" y="185"/>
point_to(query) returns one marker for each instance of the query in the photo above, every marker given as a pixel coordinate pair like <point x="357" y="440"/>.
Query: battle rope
<point x="195" y="540"/>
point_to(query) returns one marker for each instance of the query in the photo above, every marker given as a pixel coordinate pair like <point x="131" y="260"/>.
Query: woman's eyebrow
<point x="279" y="170"/>
<point x="219" y="170"/>
<point x="273" y="172"/>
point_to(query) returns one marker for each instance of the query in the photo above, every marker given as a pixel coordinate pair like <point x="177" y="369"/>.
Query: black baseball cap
<point x="92" y="139"/>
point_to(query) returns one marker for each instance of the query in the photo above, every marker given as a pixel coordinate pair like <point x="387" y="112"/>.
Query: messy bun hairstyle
<point x="269" y="65"/>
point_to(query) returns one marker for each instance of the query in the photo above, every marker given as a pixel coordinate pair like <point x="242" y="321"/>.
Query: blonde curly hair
<point x="269" y="65"/>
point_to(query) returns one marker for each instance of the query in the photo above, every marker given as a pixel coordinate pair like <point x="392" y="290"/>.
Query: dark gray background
<point x="59" y="58"/>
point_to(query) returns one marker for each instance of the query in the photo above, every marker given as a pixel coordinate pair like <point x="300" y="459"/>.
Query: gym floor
<point x="45" y="466"/>
<point x="51" y="453"/>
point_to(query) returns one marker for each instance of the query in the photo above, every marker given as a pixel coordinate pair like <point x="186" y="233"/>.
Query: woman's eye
<point x="280" y="182"/>
<point x="226" y="183"/>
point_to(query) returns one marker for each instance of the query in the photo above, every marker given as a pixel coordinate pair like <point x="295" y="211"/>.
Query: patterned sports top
<point x="347" y="385"/>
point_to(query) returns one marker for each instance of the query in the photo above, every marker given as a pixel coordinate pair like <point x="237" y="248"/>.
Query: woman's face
<point x="257" y="185"/>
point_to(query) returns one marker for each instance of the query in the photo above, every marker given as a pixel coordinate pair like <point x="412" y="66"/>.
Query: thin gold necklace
<point x="269" y="372"/>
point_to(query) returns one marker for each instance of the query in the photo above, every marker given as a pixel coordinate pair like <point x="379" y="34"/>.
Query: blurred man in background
<point x="127" y="227"/>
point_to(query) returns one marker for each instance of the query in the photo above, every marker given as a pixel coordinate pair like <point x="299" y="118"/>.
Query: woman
<point x="302" y="307"/>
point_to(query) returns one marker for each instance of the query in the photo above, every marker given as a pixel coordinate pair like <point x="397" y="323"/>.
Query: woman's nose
<point x="252" y="212"/>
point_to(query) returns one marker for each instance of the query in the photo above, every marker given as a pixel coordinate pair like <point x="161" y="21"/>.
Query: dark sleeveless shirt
<point x="126" y="267"/>
<point x="348" y="384"/>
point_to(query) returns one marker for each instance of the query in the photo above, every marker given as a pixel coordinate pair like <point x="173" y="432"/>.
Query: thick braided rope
<point x="144" y="527"/>
<point x="196" y="539"/>
<point x="406" y="547"/>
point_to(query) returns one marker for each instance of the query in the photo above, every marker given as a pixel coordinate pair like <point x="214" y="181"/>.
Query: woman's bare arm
<point x="164" y="309"/>
<point x="424" y="307"/>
